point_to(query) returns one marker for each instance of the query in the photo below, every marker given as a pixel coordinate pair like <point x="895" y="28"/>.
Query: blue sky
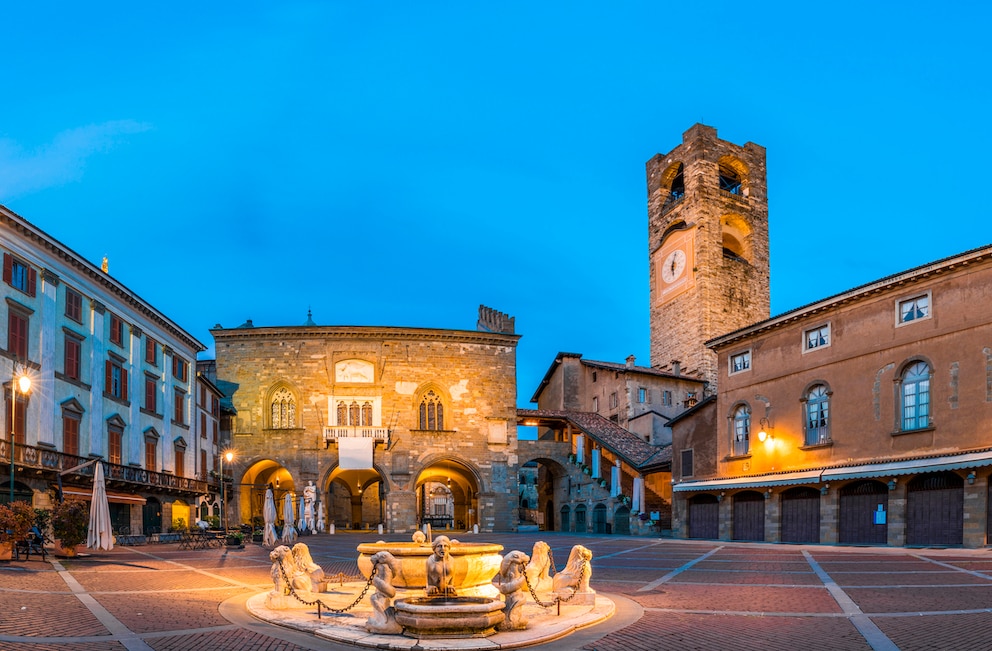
<point x="400" y="163"/>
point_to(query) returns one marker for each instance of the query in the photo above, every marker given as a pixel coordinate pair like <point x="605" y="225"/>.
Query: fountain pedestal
<point x="448" y="617"/>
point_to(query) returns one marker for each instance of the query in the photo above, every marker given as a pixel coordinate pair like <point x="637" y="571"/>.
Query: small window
<point x="816" y="338"/>
<point x="180" y="368"/>
<point x="115" y="381"/>
<point x="666" y="398"/>
<point x="17" y="334"/>
<point x="73" y="305"/>
<point x="70" y="432"/>
<point x="116" y="330"/>
<point x="594" y="376"/>
<point x="151" y="351"/>
<point x="72" y="354"/>
<point x="916" y="396"/>
<point x="740" y="362"/>
<point x="730" y="180"/>
<point x="613" y="400"/>
<point x="913" y="309"/>
<point x="595" y="403"/>
<point x="817" y="415"/>
<point x="687" y="463"/>
<point x="642" y="395"/>
<point x="151" y="394"/>
<point x="179" y="413"/>
<point x="115" y="442"/>
<point x="19" y="275"/>
<point x="741" y="425"/>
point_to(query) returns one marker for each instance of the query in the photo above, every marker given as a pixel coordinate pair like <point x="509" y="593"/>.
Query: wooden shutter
<point x="123" y="384"/>
<point x="108" y="377"/>
<point x="8" y="268"/>
<point x="32" y="282"/>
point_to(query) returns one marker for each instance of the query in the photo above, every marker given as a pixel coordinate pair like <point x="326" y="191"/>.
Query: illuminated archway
<point x="448" y="495"/>
<point x="354" y="499"/>
<point x="251" y="491"/>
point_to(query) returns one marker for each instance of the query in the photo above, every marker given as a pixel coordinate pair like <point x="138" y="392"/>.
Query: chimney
<point x="676" y="368"/>
<point x="630" y="361"/>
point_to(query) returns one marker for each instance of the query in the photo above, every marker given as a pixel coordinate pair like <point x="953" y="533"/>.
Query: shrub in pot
<point x="70" y="522"/>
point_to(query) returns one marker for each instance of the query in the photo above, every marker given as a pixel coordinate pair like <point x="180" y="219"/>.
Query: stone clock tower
<point x="707" y="247"/>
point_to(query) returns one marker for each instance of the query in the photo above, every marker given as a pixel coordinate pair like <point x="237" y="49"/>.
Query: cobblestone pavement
<point x="670" y="594"/>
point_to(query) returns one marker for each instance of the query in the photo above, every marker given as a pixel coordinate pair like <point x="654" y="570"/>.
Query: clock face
<point x="673" y="266"/>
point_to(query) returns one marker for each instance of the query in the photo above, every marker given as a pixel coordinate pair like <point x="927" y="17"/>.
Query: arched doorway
<point x="580" y="519"/>
<point x="181" y="513"/>
<point x="22" y="492"/>
<point x="860" y="504"/>
<point x="749" y="516"/>
<point x="447" y="495"/>
<point x="935" y="509"/>
<point x="704" y="516"/>
<point x="599" y="524"/>
<point x="354" y="499"/>
<point x="549" y="478"/>
<point x="250" y="493"/>
<point x="801" y="515"/>
<point x="566" y="513"/>
<point x="621" y="521"/>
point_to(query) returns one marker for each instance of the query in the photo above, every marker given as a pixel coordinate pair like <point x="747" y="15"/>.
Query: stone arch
<point x="733" y="175"/>
<point x="550" y="475"/>
<point x="251" y="479"/>
<point x="735" y="233"/>
<point x="282" y="406"/>
<point x="354" y="498"/>
<point x="461" y="477"/>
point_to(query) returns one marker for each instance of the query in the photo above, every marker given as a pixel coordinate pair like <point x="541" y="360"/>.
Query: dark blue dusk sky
<point x="388" y="163"/>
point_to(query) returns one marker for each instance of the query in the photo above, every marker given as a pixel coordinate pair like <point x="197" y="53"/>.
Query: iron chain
<point x="368" y="584"/>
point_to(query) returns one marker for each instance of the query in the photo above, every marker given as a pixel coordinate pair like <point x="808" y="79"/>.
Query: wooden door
<point x="749" y="516"/>
<point x="704" y="516"/>
<point x="935" y="510"/>
<point x="801" y="515"/>
<point x="859" y="503"/>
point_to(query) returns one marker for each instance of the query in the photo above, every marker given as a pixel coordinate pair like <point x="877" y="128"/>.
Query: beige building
<point x="393" y="426"/>
<point x="861" y="418"/>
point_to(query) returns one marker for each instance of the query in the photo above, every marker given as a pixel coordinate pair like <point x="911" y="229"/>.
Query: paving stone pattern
<point x="691" y="595"/>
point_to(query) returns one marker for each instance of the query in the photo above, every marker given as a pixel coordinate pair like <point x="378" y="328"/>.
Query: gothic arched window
<point x="741" y="423"/>
<point x="283" y="410"/>
<point x="916" y="396"/>
<point x="431" y="411"/>
<point x="817" y="415"/>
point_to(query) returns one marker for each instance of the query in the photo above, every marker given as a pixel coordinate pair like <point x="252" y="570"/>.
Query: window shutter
<point x="124" y="384"/>
<point x="8" y="268"/>
<point x="108" y="377"/>
<point x="32" y="281"/>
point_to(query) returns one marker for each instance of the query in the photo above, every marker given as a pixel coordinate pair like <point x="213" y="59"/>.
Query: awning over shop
<point x="757" y="481"/>
<point x="914" y="466"/>
<point x="118" y="498"/>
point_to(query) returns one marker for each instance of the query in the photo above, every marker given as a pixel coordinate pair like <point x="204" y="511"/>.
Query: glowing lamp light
<point x="763" y="434"/>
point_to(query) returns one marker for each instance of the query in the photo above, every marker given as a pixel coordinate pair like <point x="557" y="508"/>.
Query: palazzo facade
<point x="434" y="409"/>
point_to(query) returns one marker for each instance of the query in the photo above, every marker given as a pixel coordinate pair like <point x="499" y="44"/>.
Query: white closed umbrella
<point x="321" y="525"/>
<point x="269" y="514"/>
<point x="289" y="515"/>
<point x="303" y="515"/>
<point x="100" y="534"/>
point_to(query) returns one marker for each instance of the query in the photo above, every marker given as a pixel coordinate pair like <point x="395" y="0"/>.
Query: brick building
<point x="435" y="409"/>
<point x="861" y="418"/>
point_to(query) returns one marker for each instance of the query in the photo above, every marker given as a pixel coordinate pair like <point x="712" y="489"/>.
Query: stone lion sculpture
<point x="577" y="572"/>
<point x="539" y="568"/>
<point x="512" y="583"/>
<point x="306" y="565"/>
<point x="383" y="619"/>
<point x="286" y="579"/>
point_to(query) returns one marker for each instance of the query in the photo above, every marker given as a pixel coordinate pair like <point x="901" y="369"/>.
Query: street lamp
<point x="223" y="485"/>
<point x="22" y="382"/>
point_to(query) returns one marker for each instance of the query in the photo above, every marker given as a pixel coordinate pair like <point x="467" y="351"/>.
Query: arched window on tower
<point x="676" y="189"/>
<point x="431" y="411"/>
<point x="283" y="410"/>
<point x="730" y="180"/>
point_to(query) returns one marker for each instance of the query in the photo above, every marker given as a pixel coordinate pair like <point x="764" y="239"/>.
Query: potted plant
<point x="16" y="520"/>
<point x="70" y="521"/>
<point x="257" y="527"/>
<point x="235" y="539"/>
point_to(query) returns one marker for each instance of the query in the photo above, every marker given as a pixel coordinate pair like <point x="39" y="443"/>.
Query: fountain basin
<point x="448" y="617"/>
<point x="473" y="565"/>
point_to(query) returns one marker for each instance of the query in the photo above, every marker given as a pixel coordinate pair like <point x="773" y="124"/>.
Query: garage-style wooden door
<point x="704" y="516"/>
<point x="859" y="503"/>
<point x="801" y="515"/>
<point x="749" y="516"/>
<point x="935" y="509"/>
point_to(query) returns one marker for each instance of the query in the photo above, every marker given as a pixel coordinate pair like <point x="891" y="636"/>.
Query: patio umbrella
<point x="303" y="516"/>
<point x="289" y="515"/>
<point x="269" y="514"/>
<point x="321" y="526"/>
<point x="100" y="534"/>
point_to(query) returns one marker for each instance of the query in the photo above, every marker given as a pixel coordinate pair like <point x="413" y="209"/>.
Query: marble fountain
<point x="428" y="592"/>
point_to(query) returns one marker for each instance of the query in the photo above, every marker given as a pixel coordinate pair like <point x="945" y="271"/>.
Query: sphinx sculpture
<point x="440" y="569"/>
<point x="512" y="583"/>
<point x="287" y="578"/>
<point x="305" y="565"/>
